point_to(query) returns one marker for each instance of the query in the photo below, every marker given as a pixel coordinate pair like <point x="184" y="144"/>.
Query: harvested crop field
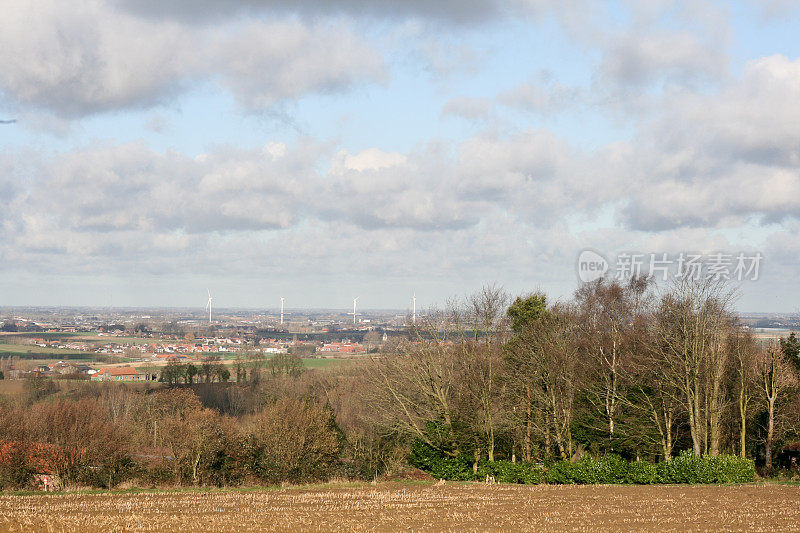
<point x="415" y="507"/>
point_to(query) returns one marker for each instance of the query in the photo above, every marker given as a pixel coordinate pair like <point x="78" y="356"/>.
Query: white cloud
<point x="369" y="159"/>
<point x="264" y="63"/>
<point x="723" y="158"/>
<point x="127" y="200"/>
<point x="80" y="58"/>
<point x="468" y="108"/>
<point x="640" y="58"/>
<point x="541" y="96"/>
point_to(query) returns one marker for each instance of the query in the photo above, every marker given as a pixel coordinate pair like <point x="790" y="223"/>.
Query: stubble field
<point x="415" y="507"/>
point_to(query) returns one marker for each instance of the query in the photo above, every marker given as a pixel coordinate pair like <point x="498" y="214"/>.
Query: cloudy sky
<point x="326" y="149"/>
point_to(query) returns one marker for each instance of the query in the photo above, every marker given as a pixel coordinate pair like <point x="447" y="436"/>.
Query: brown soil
<point x="416" y="507"/>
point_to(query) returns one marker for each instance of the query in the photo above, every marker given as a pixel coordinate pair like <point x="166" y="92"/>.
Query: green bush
<point x="427" y="458"/>
<point x="608" y="469"/>
<point x="508" y="472"/>
<point x="452" y="469"/>
<point x="461" y="469"/>
<point x="690" y="468"/>
<point x="642" y="473"/>
<point x="562" y="473"/>
<point x="686" y="468"/>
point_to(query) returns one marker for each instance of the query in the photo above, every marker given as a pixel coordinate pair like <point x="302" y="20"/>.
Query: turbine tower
<point x="354" y="313"/>
<point x="208" y="305"/>
<point x="414" y="308"/>
<point x="282" y="299"/>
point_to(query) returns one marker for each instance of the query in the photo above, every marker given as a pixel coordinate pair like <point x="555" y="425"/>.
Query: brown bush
<point x="293" y="440"/>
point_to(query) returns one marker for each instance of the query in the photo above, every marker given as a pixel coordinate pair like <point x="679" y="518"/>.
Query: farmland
<point x="394" y="506"/>
<point x="40" y="351"/>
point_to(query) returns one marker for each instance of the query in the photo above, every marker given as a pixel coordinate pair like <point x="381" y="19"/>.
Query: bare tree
<point x="608" y="316"/>
<point x="547" y="373"/>
<point x="693" y="324"/>
<point x="743" y="349"/>
<point x="776" y="376"/>
<point x="416" y="387"/>
<point x="488" y="308"/>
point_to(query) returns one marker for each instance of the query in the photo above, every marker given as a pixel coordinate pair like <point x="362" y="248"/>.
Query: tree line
<point x="487" y="384"/>
<point x="620" y="368"/>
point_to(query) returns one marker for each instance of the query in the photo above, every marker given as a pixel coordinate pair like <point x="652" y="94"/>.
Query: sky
<point x="323" y="150"/>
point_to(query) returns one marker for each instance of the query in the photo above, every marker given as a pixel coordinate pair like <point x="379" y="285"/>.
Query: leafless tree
<point x="608" y="315"/>
<point x="693" y="323"/>
<point x="776" y="377"/>
<point x="744" y="352"/>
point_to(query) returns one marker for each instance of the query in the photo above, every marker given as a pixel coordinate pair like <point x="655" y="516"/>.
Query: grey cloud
<point x="639" y="58"/>
<point x="266" y="63"/>
<point x="455" y="11"/>
<point x="384" y="191"/>
<point x="128" y="201"/>
<point x="80" y="58"/>
<point x="526" y="170"/>
<point x="130" y="188"/>
<point x="664" y="44"/>
<point x="723" y="158"/>
<point x="534" y="175"/>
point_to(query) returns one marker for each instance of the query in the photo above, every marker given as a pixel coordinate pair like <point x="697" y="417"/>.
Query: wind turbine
<point x="208" y="305"/>
<point x="282" y="299"/>
<point x="354" y="313"/>
<point x="414" y="308"/>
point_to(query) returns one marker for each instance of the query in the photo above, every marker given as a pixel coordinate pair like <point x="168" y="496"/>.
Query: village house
<point x="342" y="347"/>
<point x="121" y="373"/>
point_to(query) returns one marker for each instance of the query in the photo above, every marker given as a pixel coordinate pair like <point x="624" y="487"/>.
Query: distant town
<point x="136" y="344"/>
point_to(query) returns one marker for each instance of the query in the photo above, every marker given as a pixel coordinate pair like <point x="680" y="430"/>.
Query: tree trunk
<point x="528" y="426"/>
<point x="770" y="433"/>
<point x="195" y="464"/>
<point x="742" y="424"/>
<point x="667" y="434"/>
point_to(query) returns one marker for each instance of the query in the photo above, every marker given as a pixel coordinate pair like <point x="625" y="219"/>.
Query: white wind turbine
<point x="355" y="312"/>
<point x="208" y="305"/>
<point x="282" y="300"/>
<point x="414" y="308"/>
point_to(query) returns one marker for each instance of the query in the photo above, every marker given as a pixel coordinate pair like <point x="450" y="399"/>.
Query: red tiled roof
<point x="123" y="371"/>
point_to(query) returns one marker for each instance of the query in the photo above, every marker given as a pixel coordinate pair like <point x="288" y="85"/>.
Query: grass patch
<point x="30" y="349"/>
<point x="324" y="363"/>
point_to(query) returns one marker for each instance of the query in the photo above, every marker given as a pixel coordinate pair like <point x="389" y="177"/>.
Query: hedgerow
<point x="686" y="468"/>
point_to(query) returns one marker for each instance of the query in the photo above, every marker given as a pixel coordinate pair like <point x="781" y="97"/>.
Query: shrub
<point x="686" y="468"/>
<point x="508" y="472"/>
<point x="642" y="473"/>
<point x="293" y="440"/>
<point x="562" y="473"/>
<point x="427" y="458"/>
<point x="732" y="469"/>
<point x="452" y="469"/>
<point x="608" y="469"/>
<point x="690" y="468"/>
